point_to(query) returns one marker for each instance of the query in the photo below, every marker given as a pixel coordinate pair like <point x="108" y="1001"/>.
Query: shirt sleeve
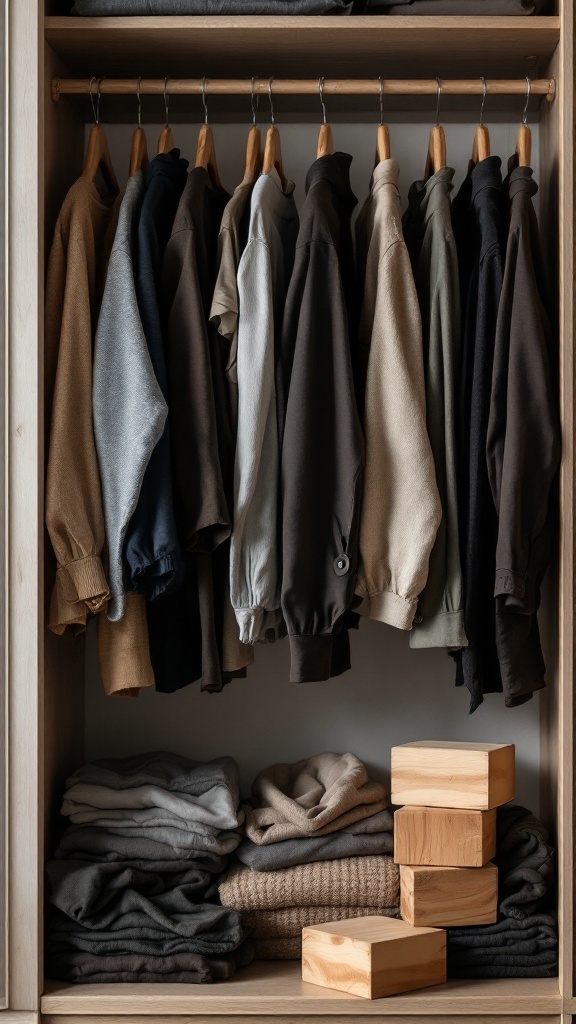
<point x="401" y="506"/>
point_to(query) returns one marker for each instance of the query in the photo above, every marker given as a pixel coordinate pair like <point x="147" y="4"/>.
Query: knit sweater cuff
<point x="389" y="608"/>
<point x="260" y="625"/>
<point x="316" y="658"/>
<point x="84" y="580"/>
<point x="445" y="629"/>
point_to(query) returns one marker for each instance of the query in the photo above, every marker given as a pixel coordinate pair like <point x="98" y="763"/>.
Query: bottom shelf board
<point x="276" y="987"/>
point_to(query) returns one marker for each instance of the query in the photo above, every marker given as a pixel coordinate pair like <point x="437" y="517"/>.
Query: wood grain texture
<point x="277" y="988"/>
<point x="446" y="774"/>
<point x="374" y="958"/>
<point x="392" y="1017"/>
<point x="442" y="897"/>
<point x="444" y="836"/>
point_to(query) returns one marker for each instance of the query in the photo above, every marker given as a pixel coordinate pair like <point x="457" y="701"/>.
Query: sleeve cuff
<point x="445" y="629"/>
<point x="314" y="659"/>
<point x="389" y="608"/>
<point x="84" y="580"/>
<point x="123" y="650"/>
<point x="510" y="584"/>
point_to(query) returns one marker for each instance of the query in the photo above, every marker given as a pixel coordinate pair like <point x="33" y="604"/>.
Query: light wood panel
<point x="276" y="988"/>
<point x="393" y="1018"/>
<point x="448" y="837"/>
<point x="435" y="773"/>
<point x="448" y="897"/>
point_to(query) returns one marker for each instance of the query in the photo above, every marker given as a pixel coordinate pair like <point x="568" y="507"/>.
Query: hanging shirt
<point x="263" y="277"/>
<point x="129" y="408"/>
<point x="478" y="227"/>
<point x="428" y="232"/>
<point x="201" y="446"/>
<point x="322" y="446"/>
<point x="523" y="445"/>
<point x="152" y="552"/>
<point x="224" y="316"/>
<point x="400" y="506"/>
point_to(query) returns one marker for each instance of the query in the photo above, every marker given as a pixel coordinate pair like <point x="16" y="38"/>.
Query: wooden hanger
<point x="166" y="141"/>
<point x="524" y="137"/>
<point x="436" y="157"/>
<point x="325" y="141"/>
<point x="97" y="157"/>
<point x="383" y="136"/>
<point x="481" y="147"/>
<point x="253" y="163"/>
<point x="139" y="149"/>
<point x="206" y="148"/>
<point x="273" y="146"/>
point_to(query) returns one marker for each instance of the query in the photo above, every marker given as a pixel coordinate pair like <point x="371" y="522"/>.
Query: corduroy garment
<point x="322" y="443"/>
<point x="152" y="553"/>
<point x="523" y="445"/>
<point x="401" y="507"/>
<point x="428" y="232"/>
<point x="263" y="276"/>
<point x="123" y="8"/>
<point x="290" y="852"/>
<point x="180" y="968"/>
<point x="353" y="882"/>
<point x="74" y="513"/>
<point x="128" y="405"/>
<point x="322" y="794"/>
<point x="289" y="922"/>
<point x="478" y="221"/>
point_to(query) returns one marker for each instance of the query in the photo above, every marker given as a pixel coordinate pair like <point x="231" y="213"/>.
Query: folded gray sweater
<point x="136" y="933"/>
<point x="290" y="852"/>
<point x="81" y="842"/>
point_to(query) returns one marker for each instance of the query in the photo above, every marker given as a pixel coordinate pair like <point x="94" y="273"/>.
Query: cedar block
<point x="444" y="836"/>
<point x="435" y="773"/>
<point x="373" y="956"/>
<point x="448" y="897"/>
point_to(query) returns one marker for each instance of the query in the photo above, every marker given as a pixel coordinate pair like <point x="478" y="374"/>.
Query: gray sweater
<point x="128" y="405"/>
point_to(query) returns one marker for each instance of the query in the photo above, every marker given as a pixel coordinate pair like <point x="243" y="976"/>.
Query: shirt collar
<point x="486" y="174"/>
<point x="521" y="180"/>
<point x="387" y="172"/>
<point x="424" y="195"/>
<point x="336" y="170"/>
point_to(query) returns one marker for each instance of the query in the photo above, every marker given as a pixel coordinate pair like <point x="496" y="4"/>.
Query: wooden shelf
<point x="275" y="988"/>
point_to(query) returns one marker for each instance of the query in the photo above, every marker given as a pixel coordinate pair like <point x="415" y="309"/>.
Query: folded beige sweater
<point x="278" y="949"/>
<point x="289" y="922"/>
<point x="314" y="797"/>
<point x="350" y="882"/>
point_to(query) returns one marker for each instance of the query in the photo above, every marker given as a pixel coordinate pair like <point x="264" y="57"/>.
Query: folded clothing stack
<point x="127" y="8"/>
<point x="319" y="839"/>
<point x="524" y="941"/>
<point x="132" y="887"/>
<point x="472" y="8"/>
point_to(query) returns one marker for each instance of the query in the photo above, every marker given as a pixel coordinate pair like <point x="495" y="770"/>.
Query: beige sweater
<point x="289" y="922"/>
<point x="401" y="508"/>
<point x="350" y="882"/>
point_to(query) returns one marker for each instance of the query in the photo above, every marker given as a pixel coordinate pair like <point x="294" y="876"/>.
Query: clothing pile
<point x="132" y="888"/>
<point x="524" y="941"/>
<point x="245" y="493"/>
<point x="111" y="8"/>
<point x="319" y="839"/>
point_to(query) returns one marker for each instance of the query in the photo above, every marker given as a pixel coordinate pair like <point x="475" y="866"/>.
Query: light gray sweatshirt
<point x="128" y="405"/>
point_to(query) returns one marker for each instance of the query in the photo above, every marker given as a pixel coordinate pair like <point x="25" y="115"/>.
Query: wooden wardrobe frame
<point x="43" y="675"/>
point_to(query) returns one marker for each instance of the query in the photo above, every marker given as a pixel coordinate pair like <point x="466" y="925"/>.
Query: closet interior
<point x="391" y="695"/>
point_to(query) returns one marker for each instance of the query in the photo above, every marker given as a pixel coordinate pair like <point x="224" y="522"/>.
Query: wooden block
<point x="444" y="836"/>
<point x="434" y="773"/>
<point x="373" y="956"/>
<point x="448" y="897"/>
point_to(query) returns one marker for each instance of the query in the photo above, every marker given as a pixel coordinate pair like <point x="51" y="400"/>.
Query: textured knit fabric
<point x="290" y="852"/>
<point x="477" y="218"/>
<point x="289" y="922"/>
<point x="263" y="276"/>
<point x="400" y="505"/>
<point x="74" y="513"/>
<point x="278" y="949"/>
<point x="428" y="232"/>
<point x="523" y="446"/>
<point x="122" y="8"/>
<point x="322" y="446"/>
<point x="152" y="551"/>
<point x="353" y="882"/>
<point x="180" y="968"/>
<point x="129" y="408"/>
<point x="319" y="795"/>
<point x="124" y="651"/>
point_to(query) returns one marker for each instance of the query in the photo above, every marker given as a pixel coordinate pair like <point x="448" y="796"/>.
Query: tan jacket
<point x="401" y="508"/>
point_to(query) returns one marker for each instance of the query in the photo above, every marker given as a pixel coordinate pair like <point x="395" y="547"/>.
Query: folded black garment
<point x="454" y="8"/>
<point x="508" y="949"/>
<point x="526" y="863"/>
<point x="124" y="8"/>
<point x="183" y="968"/>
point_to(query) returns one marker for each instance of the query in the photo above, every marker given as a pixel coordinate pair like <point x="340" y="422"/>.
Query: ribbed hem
<point x="312" y="658"/>
<point x="446" y="629"/>
<point x="123" y="650"/>
<point x="389" y="608"/>
<point x="260" y="625"/>
<point x="84" y="580"/>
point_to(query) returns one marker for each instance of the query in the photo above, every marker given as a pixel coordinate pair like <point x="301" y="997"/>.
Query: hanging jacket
<point x="428" y="232"/>
<point x="477" y="217"/>
<point x="263" y="277"/>
<point x="152" y="552"/>
<point x="400" y="504"/>
<point x="322" y="444"/>
<point x="523" y="445"/>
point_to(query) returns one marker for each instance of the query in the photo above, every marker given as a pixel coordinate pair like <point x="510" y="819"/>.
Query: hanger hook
<point x="205" y="105"/>
<point x="138" y="84"/>
<point x="483" y="80"/>
<point x="95" y="109"/>
<point x="270" y="80"/>
<point x="254" y="106"/>
<point x="321" y="94"/>
<point x="380" y="83"/>
<point x="438" y="95"/>
<point x="528" y="87"/>
<point x="166" y="102"/>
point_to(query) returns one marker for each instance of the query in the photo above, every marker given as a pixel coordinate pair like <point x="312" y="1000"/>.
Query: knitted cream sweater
<point x="350" y="882"/>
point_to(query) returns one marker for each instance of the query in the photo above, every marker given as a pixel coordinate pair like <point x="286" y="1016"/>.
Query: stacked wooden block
<point x="445" y="835"/>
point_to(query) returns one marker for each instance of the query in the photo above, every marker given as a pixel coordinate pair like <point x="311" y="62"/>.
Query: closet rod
<point x="304" y="87"/>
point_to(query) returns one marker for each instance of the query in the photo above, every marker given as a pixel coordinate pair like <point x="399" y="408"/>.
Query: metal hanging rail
<point x="301" y="87"/>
